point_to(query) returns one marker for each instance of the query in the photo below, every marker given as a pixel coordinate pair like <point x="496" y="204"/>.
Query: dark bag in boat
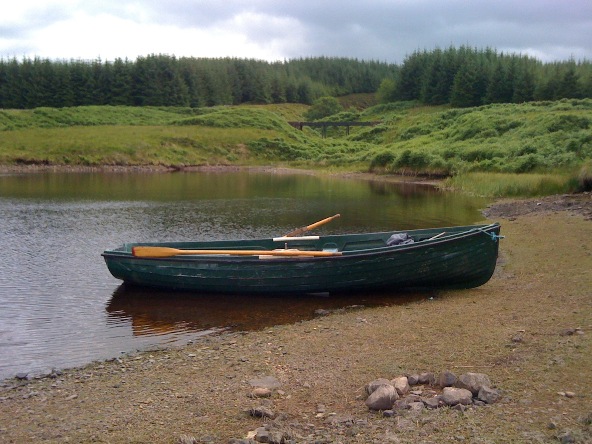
<point x="399" y="239"/>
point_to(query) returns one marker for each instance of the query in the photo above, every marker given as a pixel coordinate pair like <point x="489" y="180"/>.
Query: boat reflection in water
<point x="160" y="312"/>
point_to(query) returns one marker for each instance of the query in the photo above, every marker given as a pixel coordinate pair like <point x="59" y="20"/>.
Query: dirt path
<point x="529" y="329"/>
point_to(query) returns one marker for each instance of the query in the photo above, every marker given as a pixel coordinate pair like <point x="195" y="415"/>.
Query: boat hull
<point x="464" y="257"/>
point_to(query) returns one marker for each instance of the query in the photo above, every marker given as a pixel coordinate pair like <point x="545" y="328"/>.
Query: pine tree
<point x="410" y="79"/>
<point x="467" y="86"/>
<point x="568" y="87"/>
<point x="523" y="85"/>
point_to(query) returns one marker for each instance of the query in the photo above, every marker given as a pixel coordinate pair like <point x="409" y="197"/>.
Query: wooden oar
<point x="299" y="231"/>
<point x="157" y="252"/>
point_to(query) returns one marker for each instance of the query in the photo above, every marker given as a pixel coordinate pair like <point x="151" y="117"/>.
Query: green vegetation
<point x="511" y="185"/>
<point x="497" y="149"/>
<point x="467" y="77"/>
<point x="323" y="107"/>
<point x="162" y="80"/>
<point x="460" y="77"/>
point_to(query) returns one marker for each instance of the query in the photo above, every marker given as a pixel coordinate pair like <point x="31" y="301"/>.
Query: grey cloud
<point x="385" y="30"/>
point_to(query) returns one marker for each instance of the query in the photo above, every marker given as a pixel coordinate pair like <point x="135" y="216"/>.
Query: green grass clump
<point x="128" y="145"/>
<point x="238" y="117"/>
<point x="90" y="116"/>
<point x="502" y="138"/>
<point x="512" y="185"/>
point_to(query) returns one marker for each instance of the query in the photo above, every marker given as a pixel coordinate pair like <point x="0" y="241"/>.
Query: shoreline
<point x="529" y="329"/>
<point x="41" y="168"/>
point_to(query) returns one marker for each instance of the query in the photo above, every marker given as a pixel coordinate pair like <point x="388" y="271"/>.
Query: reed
<point x="512" y="185"/>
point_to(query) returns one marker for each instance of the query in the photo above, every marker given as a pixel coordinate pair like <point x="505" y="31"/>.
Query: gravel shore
<point x="529" y="329"/>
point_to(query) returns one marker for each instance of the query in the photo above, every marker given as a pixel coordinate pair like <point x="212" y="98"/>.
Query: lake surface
<point x="60" y="307"/>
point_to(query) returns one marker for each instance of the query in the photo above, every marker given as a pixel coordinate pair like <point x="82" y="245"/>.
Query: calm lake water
<point x="60" y="307"/>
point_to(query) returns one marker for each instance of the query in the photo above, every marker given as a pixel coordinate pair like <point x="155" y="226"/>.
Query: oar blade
<point x="147" y="251"/>
<point x="299" y="231"/>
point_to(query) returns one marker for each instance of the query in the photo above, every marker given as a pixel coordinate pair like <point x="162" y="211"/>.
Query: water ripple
<point x="60" y="307"/>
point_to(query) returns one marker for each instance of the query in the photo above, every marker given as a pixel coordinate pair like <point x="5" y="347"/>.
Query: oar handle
<point x="298" y="231"/>
<point x="161" y="252"/>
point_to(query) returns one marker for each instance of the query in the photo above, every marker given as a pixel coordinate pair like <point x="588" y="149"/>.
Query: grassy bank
<point x="526" y="149"/>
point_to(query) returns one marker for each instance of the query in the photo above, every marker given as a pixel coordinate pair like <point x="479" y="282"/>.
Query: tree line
<point x="461" y="77"/>
<point x="465" y="77"/>
<point x="163" y="80"/>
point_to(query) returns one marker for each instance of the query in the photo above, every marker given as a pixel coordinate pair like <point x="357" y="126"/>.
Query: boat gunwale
<point x="472" y="230"/>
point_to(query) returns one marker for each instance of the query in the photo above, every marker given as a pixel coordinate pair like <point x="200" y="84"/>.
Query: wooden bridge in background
<point x="324" y="125"/>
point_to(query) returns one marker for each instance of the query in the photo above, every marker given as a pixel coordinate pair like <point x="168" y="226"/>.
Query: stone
<point x="488" y="395"/>
<point x="401" y="404"/>
<point x="427" y="378"/>
<point x="340" y="420"/>
<point x="453" y="395"/>
<point x="322" y="312"/>
<point x="382" y="398"/>
<point x="388" y="413"/>
<point x="262" y="435"/>
<point x="22" y="376"/>
<point x="432" y="403"/>
<point x="566" y="438"/>
<point x="473" y="382"/>
<point x="416" y="407"/>
<point x="413" y="398"/>
<point x="266" y="381"/>
<point x="446" y="379"/>
<point x="262" y="412"/>
<point x="401" y="385"/>
<point x="372" y="386"/>
<point x="413" y="379"/>
<point x="276" y="437"/>
<point x="261" y="392"/>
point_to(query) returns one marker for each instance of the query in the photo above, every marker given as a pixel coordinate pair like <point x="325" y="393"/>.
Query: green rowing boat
<point x="450" y="257"/>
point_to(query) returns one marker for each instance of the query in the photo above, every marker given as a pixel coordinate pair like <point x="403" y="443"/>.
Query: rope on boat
<point x="494" y="237"/>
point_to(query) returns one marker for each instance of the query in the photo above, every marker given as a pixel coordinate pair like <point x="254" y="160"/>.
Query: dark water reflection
<point x="60" y="307"/>
<point x="155" y="312"/>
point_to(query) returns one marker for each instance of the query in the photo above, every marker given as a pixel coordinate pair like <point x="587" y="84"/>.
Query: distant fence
<point x="324" y="125"/>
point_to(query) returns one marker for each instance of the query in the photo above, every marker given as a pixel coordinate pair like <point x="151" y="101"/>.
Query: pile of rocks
<point x="409" y="392"/>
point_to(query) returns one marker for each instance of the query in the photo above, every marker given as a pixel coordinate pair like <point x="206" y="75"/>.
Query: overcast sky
<point x="383" y="30"/>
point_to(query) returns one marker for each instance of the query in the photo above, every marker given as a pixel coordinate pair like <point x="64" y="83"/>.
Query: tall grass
<point x="512" y="185"/>
<point x="129" y="145"/>
<point x="503" y="138"/>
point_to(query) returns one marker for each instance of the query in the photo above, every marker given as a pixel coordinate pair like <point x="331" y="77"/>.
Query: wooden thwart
<point x="159" y="252"/>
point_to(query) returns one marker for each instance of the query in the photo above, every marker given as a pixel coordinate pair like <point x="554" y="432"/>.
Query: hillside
<point x="547" y="138"/>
